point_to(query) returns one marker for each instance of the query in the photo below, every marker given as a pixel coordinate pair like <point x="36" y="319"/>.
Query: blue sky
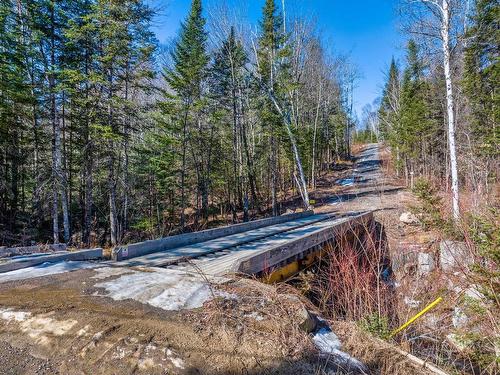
<point x="367" y="30"/>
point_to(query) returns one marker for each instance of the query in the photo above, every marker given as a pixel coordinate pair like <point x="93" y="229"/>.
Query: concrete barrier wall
<point x="269" y="258"/>
<point x="13" y="251"/>
<point x="30" y="261"/>
<point x="161" y="244"/>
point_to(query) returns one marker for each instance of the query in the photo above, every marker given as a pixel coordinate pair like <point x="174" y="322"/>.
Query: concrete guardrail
<point x="162" y="244"/>
<point x="20" y="262"/>
<point x="268" y="258"/>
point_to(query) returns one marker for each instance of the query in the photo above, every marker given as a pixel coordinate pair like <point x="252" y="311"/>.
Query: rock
<point x="308" y="322"/>
<point x="408" y="218"/>
<point x="425" y="263"/>
<point x="289" y="211"/>
<point x="459" y="318"/>
<point x="453" y="254"/>
<point x="473" y="293"/>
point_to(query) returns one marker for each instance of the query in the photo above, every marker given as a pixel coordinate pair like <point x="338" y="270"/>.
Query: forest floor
<point x="64" y="323"/>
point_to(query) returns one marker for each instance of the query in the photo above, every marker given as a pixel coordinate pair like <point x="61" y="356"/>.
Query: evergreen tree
<point x="414" y="117"/>
<point x="481" y="77"/>
<point x="186" y="77"/>
<point x="267" y="60"/>
<point x="226" y="83"/>
<point x="15" y="101"/>
<point x="390" y="104"/>
<point x="190" y="57"/>
<point x="114" y="62"/>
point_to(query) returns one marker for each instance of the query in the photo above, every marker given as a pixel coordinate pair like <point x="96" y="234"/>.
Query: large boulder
<point x="454" y="255"/>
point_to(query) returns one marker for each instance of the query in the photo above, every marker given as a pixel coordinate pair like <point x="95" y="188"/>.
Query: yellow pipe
<point x="427" y="308"/>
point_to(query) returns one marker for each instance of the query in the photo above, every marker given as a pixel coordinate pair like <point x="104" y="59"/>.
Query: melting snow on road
<point x="167" y="289"/>
<point x="45" y="269"/>
<point x="328" y="342"/>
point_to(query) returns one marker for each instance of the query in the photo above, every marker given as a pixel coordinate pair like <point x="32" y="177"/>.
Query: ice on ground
<point x="18" y="316"/>
<point x="328" y="342"/>
<point x="45" y="269"/>
<point x="167" y="289"/>
<point x="39" y="327"/>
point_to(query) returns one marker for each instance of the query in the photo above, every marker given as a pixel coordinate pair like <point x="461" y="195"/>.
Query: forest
<point x="106" y="136"/>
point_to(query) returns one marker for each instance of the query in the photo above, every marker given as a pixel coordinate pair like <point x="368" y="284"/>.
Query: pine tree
<point x="227" y="74"/>
<point x="390" y="104"/>
<point x="190" y="57"/>
<point x="15" y="101"/>
<point x="186" y="77"/>
<point x="481" y="77"/>
<point x="113" y="48"/>
<point x="414" y="116"/>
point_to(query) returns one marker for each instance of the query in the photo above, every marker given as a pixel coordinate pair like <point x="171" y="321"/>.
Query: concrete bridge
<point x="276" y="247"/>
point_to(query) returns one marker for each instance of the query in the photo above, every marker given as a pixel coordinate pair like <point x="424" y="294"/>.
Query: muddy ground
<point x="61" y="325"/>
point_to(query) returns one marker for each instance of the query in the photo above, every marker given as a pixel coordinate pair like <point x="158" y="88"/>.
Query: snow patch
<point x="45" y="269"/>
<point x="38" y="327"/>
<point x="254" y="315"/>
<point x="328" y="342"/>
<point x="167" y="289"/>
<point x="18" y="316"/>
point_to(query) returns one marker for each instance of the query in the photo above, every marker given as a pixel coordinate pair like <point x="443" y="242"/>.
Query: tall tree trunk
<point x="126" y="125"/>
<point x="88" y="198"/>
<point x="445" y="34"/>
<point x="64" y="176"/>
<point x="302" y="185"/>
<point x="236" y="174"/>
<point x="113" y="219"/>
<point x="313" y="171"/>
<point x="56" y="136"/>
<point x="248" y="155"/>
<point x="183" y="169"/>
<point x="274" y="174"/>
<point x="88" y="164"/>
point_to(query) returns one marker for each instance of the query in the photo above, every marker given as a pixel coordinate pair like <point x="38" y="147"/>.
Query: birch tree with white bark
<point x="437" y="22"/>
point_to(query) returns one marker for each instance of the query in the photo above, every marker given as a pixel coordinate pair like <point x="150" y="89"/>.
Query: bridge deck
<point x="253" y="251"/>
<point x="171" y="256"/>
<point x="213" y="265"/>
